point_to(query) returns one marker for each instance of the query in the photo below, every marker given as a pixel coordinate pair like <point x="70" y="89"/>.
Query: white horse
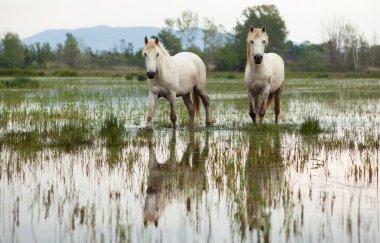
<point x="264" y="75"/>
<point x="172" y="76"/>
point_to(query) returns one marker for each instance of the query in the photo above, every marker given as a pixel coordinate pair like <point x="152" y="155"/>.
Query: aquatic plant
<point x="112" y="130"/>
<point x="20" y="83"/>
<point x="73" y="135"/>
<point x="311" y="126"/>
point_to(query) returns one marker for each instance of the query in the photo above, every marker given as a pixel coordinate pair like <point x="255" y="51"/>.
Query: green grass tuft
<point x="72" y="135"/>
<point x="29" y="139"/>
<point x="112" y="130"/>
<point x="311" y="126"/>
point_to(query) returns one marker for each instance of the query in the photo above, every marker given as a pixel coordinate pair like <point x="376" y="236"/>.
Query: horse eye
<point x="144" y="54"/>
<point x="263" y="41"/>
<point x="158" y="54"/>
<point x="251" y="42"/>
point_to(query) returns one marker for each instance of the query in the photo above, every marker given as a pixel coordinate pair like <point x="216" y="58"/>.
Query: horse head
<point x="151" y="53"/>
<point x="256" y="42"/>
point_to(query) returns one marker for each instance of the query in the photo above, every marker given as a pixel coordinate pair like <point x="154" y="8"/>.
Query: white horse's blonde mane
<point x="256" y="33"/>
<point x="151" y="45"/>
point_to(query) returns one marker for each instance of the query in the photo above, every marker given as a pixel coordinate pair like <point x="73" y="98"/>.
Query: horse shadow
<point x="169" y="178"/>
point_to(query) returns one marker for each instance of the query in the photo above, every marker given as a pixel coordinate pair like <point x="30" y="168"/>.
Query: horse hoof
<point x="209" y="123"/>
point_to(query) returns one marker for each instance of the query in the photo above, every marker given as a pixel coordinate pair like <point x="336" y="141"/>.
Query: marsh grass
<point x="74" y="135"/>
<point x="22" y="139"/>
<point x="4" y="118"/>
<point x="261" y="174"/>
<point x="311" y="126"/>
<point x="27" y="143"/>
<point x="20" y="83"/>
<point x="112" y="130"/>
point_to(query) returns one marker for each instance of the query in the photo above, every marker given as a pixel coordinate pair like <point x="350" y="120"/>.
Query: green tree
<point x="213" y="39"/>
<point x="136" y="59"/>
<point x="226" y="57"/>
<point x="187" y="25"/>
<point x="71" y="50"/>
<point x="125" y="48"/>
<point x="259" y="16"/>
<point x="41" y="53"/>
<point x="46" y="53"/>
<point x="12" y="54"/>
<point x="59" y="53"/>
<point x="29" y="55"/>
<point x="171" y="42"/>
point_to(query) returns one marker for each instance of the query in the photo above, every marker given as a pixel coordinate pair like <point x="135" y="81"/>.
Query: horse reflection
<point x="263" y="181"/>
<point x="168" y="178"/>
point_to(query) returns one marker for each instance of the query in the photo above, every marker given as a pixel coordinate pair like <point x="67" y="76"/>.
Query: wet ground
<point x="109" y="181"/>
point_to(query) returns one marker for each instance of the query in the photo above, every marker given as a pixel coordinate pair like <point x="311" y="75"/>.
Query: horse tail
<point x="196" y="102"/>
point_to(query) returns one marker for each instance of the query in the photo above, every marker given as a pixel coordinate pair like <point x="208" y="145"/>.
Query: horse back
<point x="192" y="70"/>
<point x="189" y="61"/>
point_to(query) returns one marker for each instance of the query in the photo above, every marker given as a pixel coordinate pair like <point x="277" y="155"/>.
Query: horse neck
<point x="166" y="63"/>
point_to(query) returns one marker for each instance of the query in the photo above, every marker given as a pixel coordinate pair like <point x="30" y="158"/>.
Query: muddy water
<point x="229" y="183"/>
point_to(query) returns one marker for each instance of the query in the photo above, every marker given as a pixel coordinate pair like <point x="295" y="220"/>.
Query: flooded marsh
<point x="76" y="167"/>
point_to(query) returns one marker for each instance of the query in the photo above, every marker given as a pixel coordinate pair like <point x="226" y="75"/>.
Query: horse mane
<point x="152" y="45"/>
<point x="248" y="52"/>
<point x="257" y="32"/>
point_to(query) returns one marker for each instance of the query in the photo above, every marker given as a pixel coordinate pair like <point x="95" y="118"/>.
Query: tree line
<point x="343" y="48"/>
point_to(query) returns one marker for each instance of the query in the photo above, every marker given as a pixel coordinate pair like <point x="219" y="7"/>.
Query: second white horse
<point x="264" y="75"/>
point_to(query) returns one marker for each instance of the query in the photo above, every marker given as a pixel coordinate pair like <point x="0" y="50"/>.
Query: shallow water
<point x="231" y="182"/>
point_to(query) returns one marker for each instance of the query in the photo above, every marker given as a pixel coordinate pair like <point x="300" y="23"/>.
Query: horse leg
<point x="270" y="98"/>
<point x="262" y="104"/>
<point x="206" y="103"/>
<point x="151" y="108"/>
<point x="251" y="102"/>
<point x="190" y="108"/>
<point x="173" y="115"/>
<point x="277" y="102"/>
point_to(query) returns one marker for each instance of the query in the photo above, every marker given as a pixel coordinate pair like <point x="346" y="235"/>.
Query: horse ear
<point x="146" y="40"/>
<point x="251" y="28"/>
<point x="263" y="29"/>
<point x="157" y="41"/>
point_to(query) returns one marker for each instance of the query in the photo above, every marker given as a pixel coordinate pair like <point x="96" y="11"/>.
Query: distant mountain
<point x="102" y="38"/>
<point x="99" y="38"/>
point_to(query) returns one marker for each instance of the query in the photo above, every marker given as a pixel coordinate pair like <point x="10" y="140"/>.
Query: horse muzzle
<point x="258" y="59"/>
<point x="151" y="74"/>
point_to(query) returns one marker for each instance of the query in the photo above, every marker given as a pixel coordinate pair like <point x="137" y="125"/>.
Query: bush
<point x="20" y="72"/>
<point x="231" y="76"/>
<point x="129" y="76"/>
<point x="66" y="73"/>
<point x="141" y="77"/>
<point x="322" y="75"/>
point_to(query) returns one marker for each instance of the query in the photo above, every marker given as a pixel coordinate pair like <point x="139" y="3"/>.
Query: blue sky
<point x="303" y="18"/>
